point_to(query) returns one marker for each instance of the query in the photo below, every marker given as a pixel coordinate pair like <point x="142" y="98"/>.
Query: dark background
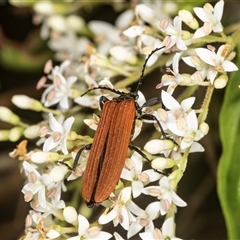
<point x="201" y="219"/>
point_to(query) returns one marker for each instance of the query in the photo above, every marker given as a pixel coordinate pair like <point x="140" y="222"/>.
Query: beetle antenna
<point x="144" y="66"/>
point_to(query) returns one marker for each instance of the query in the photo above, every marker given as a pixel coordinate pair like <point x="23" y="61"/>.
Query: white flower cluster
<point x="116" y="52"/>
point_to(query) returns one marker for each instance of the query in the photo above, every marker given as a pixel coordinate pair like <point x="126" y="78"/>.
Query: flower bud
<point x="221" y="81"/>
<point x="70" y="214"/>
<point x="4" y="135"/>
<point x="25" y="102"/>
<point x="156" y="146"/>
<point x="15" y="133"/>
<point x="31" y="132"/>
<point x="41" y="157"/>
<point x="58" y="173"/>
<point x="6" y="115"/>
<point x="145" y="13"/>
<point x="204" y="128"/>
<point x="123" y="55"/>
<point x="162" y="163"/>
<point x="188" y="19"/>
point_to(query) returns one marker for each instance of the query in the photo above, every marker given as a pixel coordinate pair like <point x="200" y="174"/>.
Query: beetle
<point x="111" y="141"/>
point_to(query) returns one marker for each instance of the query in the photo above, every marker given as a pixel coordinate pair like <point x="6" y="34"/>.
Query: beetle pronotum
<point x="111" y="141"/>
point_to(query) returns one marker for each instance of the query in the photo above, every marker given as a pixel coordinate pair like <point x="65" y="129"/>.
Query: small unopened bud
<point x="41" y="157"/>
<point x="221" y="81"/>
<point x="57" y="23"/>
<point x="31" y="132"/>
<point x="186" y="35"/>
<point x="123" y="55"/>
<point x="4" y="135"/>
<point x="76" y="23"/>
<point x="25" y="102"/>
<point x="204" y="128"/>
<point x="6" y="115"/>
<point x="162" y="163"/>
<point x="58" y="173"/>
<point x="70" y="214"/>
<point x="15" y="133"/>
<point x="145" y="13"/>
<point x="208" y="8"/>
<point x="156" y="146"/>
<point x="188" y="19"/>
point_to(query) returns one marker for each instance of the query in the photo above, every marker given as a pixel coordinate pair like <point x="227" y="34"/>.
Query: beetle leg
<point x="144" y="156"/>
<point x="73" y="168"/>
<point x="152" y="117"/>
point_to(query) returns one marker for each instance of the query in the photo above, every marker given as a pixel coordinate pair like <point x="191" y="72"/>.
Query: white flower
<point x="172" y="81"/>
<point x="190" y="132"/>
<point x="60" y="90"/>
<point x="167" y="232"/>
<point x="211" y="18"/>
<point x="120" y="212"/>
<point x="58" y="135"/>
<point x="177" y="112"/>
<point x="144" y="218"/>
<point x="216" y="61"/>
<point x="165" y="194"/>
<point x="174" y="31"/>
<point x="106" y="34"/>
<point x="36" y="185"/>
<point x="87" y="232"/>
<point x="136" y="176"/>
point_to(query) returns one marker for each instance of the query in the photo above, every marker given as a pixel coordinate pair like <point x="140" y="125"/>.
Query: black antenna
<point x="144" y="66"/>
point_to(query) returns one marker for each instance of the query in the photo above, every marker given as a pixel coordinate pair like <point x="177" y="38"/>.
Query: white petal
<point x="187" y="103"/>
<point x="167" y="228"/>
<point x="201" y="14"/>
<point x="134" y="228"/>
<point x="54" y="124"/>
<point x="218" y="10"/>
<point x="137" y="159"/>
<point x="192" y="121"/>
<point x="133" y="31"/>
<point x="137" y="187"/>
<point x="199" y="33"/>
<point x="125" y="219"/>
<point x="153" y="175"/>
<point x="169" y="102"/>
<point x="152" y="210"/>
<point x="49" y="144"/>
<point x="105" y="218"/>
<point x="102" y="235"/>
<point x="126" y="174"/>
<point x="206" y="55"/>
<point x="229" y="66"/>
<point x="177" y="200"/>
<point x="83" y="225"/>
<point x="125" y="194"/>
<point x="68" y="124"/>
<point x="196" y="147"/>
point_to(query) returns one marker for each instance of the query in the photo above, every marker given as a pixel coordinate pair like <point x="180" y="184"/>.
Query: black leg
<point x="145" y="157"/>
<point x="73" y="168"/>
<point x="152" y="117"/>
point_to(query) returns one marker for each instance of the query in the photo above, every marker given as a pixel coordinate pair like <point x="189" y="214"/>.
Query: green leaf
<point x="229" y="165"/>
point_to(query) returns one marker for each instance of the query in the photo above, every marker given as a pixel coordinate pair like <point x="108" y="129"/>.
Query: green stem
<point x="205" y="105"/>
